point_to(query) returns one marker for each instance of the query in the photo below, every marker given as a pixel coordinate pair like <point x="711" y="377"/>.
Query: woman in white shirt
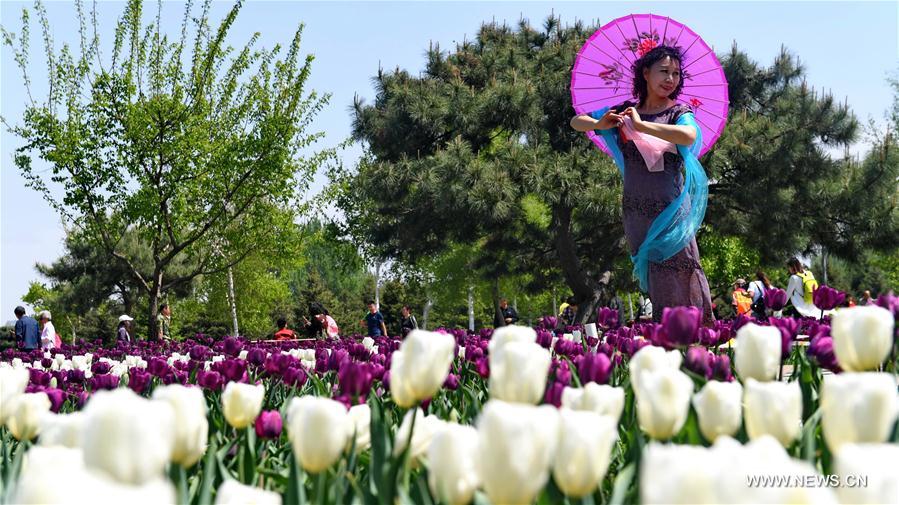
<point x="757" y="291"/>
<point x="796" y="290"/>
<point x="48" y="332"/>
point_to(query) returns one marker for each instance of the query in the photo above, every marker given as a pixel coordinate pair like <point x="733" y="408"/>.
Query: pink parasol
<point x="602" y="74"/>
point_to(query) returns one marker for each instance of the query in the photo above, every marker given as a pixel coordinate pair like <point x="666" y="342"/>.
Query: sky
<point x="847" y="48"/>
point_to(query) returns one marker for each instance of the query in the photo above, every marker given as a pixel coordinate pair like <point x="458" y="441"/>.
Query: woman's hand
<point x="632" y="113"/>
<point x="585" y="123"/>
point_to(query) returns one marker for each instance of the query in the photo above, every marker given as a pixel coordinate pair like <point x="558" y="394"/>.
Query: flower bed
<point x="673" y="412"/>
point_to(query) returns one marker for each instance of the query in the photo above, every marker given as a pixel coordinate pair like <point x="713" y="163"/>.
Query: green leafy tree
<point x="185" y="139"/>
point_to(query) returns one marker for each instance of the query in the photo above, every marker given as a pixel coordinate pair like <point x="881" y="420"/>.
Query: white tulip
<point x="361" y="417"/>
<point x="368" y="343"/>
<point x="652" y="358"/>
<point x="603" y="399"/>
<point x="518" y="372"/>
<point x="758" y="352"/>
<point x="73" y="482"/>
<point x="723" y="473"/>
<point x="318" y="429"/>
<point x="66" y="430"/>
<point x="512" y="333"/>
<point x="127" y="436"/>
<point x="191" y="426"/>
<point x="677" y="474"/>
<point x="243" y="354"/>
<point x="719" y="407"/>
<point x="425" y="428"/>
<point x="858" y="408"/>
<point x="420" y="366"/>
<point x="452" y="459"/>
<point x="232" y="492"/>
<point x="584" y="451"/>
<point x="13" y="382"/>
<point x="663" y="401"/>
<point x="25" y="413"/>
<point x="516" y="446"/>
<point x="862" y="337"/>
<point x="868" y="473"/>
<point x="241" y="403"/>
<point x="773" y="408"/>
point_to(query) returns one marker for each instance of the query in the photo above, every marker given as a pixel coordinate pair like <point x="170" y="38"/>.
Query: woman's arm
<point x="676" y="134"/>
<point x="586" y="123"/>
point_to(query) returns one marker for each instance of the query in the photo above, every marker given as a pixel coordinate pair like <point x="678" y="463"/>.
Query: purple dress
<point x="679" y="280"/>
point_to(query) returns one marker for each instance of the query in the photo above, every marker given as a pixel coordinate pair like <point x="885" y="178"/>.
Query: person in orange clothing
<point x="284" y="333"/>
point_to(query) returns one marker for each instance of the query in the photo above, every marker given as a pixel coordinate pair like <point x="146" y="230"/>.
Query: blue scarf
<point x="676" y="226"/>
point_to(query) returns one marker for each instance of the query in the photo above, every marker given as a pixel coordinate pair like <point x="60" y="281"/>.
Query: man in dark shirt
<point x="27" y="330"/>
<point x="375" y="321"/>
<point x="407" y="321"/>
<point x="509" y="314"/>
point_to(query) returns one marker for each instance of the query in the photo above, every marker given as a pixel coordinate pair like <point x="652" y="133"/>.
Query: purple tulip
<point x="682" y="325"/>
<point x="595" y="368"/>
<point x="46" y="363"/>
<point x="57" y="398"/>
<point x="82" y="399"/>
<point x="607" y="317"/>
<point x="337" y="358"/>
<point x="256" y="356"/>
<point x="295" y="377"/>
<point x="268" y="424"/>
<point x="721" y="370"/>
<point x="820" y="350"/>
<point x="544" y="338"/>
<point x="354" y="378"/>
<point x="232" y="346"/>
<point x="157" y="367"/>
<point x="605" y="348"/>
<point x="708" y="337"/>
<point x="39" y="377"/>
<point x="553" y="394"/>
<point x="890" y="302"/>
<point x="775" y="299"/>
<point x="200" y="353"/>
<point x="699" y="361"/>
<point x="232" y="370"/>
<point x="483" y="367"/>
<point x="106" y="381"/>
<point x="139" y="380"/>
<point x="827" y="298"/>
<point x="451" y="382"/>
<point x="211" y="380"/>
<point x="789" y="329"/>
<point x="100" y="368"/>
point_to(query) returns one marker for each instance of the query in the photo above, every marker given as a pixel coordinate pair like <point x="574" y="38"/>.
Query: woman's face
<point x="662" y="77"/>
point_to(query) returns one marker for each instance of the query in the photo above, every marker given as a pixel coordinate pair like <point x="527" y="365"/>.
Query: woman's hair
<point x="45" y="314"/>
<point x="641" y="88"/>
<point x="760" y="275"/>
<point x="794" y="262"/>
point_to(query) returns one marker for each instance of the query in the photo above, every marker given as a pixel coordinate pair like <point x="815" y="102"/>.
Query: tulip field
<point x="780" y="410"/>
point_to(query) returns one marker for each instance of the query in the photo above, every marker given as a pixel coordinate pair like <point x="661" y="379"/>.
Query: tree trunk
<point x="587" y="291"/>
<point x="155" y="294"/>
<point x="378" y="285"/>
<point x="233" y="302"/>
<point x="425" y="312"/>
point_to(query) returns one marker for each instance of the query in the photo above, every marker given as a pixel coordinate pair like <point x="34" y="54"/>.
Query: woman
<point x="662" y="208"/>
<point x="123" y="334"/>
<point x="48" y="332"/>
<point x="757" y="290"/>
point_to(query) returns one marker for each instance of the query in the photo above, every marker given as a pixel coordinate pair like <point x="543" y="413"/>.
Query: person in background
<point x="757" y="292"/>
<point x="800" y="289"/>
<point x="510" y="316"/>
<point x="164" y="322"/>
<point x="328" y="324"/>
<point x="284" y="333"/>
<point x="407" y="321"/>
<point x="740" y="298"/>
<point x="123" y="334"/>
<point x="645" y="309"/>
<point x="375" y="321"/>
<point x="563" y="306"/>
<point x="566" y="318"/>
<point x="48" y="332"/>
<point x="313" y="324"/>
<point x="866" y="299"/>
<point x="28" y="334"/>
<point x="617" y="304"/>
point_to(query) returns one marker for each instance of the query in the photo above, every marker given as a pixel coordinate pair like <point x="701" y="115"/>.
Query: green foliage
<point x="724" y="259"/>
<point x="195" y="144"/>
